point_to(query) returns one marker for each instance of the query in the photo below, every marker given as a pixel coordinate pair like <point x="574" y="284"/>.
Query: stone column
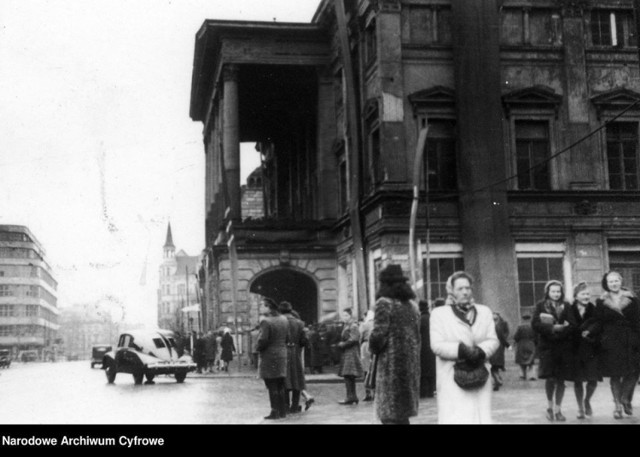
<point x="231" y="138"/>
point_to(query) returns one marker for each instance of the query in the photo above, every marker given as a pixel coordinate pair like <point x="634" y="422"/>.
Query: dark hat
<point x="392" y="273"/>
<point x="285" y="307"/>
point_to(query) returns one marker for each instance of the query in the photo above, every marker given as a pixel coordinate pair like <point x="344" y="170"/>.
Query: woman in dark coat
<point x="585" y="368"/>
<point x="554" y="346"/>
<point x="228" y="348"/>
<point x="350" y="363"/>
<point x="395" y="340"/>
<point x="273" y="356"/>
<point x="617" y="316"/>
<point x="427" y="357"/>
<point x="525" y="340"/>
<point x="497" y="359"/>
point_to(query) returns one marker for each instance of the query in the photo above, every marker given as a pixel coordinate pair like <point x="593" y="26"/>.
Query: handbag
<point x="370" y="379"/>
<point x="470" y="376"/>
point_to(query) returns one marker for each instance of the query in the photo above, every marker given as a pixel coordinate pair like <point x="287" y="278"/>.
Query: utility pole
<point x="233" y="260"/>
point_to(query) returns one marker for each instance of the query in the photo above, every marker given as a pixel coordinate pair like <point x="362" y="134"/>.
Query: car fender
<point x="109" y="358"/>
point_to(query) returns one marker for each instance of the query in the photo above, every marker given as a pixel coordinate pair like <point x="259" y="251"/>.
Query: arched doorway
<point x="289" y="285"/>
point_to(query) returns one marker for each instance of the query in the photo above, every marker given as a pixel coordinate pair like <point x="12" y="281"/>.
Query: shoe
<point x="587" y="408"/>
<point x="523" y="377"/>
<point x="560" y="417"/>
<point x="295" y="409"/>
<point x="273" y="415"/>
<point x="628" y="409"/>
<point x="348" y="402"/>
<point x="532" y="378"/>
<point x="617" y="414"/>
<point x="308" y="403"/>
<point x="496" y="388"/>
<point x="370" y="398"/>
<point x="581" y="415"/>
<point x="550" y="417"/>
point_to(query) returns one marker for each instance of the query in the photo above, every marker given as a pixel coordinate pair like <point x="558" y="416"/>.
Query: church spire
<point x="169" y="247"/>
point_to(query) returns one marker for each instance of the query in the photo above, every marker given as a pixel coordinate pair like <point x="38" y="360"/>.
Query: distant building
<point x="28" y="304"/>
<point x="178" y="289"/>
<point x="85" y="325"/>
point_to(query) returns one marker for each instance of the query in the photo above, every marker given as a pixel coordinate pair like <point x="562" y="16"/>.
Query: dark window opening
<point x="622" y="155"/>
<point x="532" y="153"/>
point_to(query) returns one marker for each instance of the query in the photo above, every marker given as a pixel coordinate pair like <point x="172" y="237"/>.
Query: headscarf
<point x="465" y="311"/>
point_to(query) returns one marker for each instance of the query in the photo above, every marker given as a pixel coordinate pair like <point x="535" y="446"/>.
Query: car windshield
<point x="158" y="342"/>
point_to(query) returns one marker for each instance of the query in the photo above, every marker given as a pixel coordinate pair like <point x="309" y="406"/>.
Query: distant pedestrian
<point x="580" y="316"/>
<point x="273" y="356"/>
<point x="317" y="352"/>
<point x="219" y="364"/>
<point x="253" y="335"/>
<point x="395" y="340"/>
<point x="210" y="351"/>
<point x="554" y="347"/>
<point x="228" y="349"/>
<point x="199" y="355"/>
<point x="617" y="314"/>
<point x="365" y="355"/>
<point x="497" y="359"/>
<point x="427" y="357"/>
<point x="463" y="336"/>
<point x="350" y="363"/>
<point x="525" y="342"/>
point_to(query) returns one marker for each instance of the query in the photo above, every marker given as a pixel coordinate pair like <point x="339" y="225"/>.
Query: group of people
<point x="585" y="342"/>
<point x="213" y="351"/>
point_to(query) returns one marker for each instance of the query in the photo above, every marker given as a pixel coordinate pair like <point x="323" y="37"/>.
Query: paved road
<point x="72" y="393"/>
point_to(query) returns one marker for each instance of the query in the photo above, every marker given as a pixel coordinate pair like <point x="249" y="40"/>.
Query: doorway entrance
<point x="289" y="285"/>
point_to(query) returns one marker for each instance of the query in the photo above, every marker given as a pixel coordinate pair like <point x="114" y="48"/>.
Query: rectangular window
<point x="532" y="153"/>
<point x="440" y="270"/>
<point x="440" y="160"/>
<point x="430" y="25"/>
<point x="374" y="154"/>
<point x="344" y="199"/>
<point x="622" y="155"/>
<point x="6" y="291"/>
<point x="533" y="274"/>
<point x="613" y="28"/>
<point x="33" y="291"/>
<point x="533" y="27"/>
<point x="32" y="310"/>
<point x="181" y="289"/>
<point x="370" y="41"/>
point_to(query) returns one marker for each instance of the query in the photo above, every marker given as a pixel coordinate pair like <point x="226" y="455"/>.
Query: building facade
<point x="178" y="290"/>
<point x="84" y="325"/>
<point x="531" y="169"/>
<point x="28" y="299"/>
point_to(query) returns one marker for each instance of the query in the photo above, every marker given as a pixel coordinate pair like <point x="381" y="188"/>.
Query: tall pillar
<point x="489" y="250"/>
<point x="231" y="138"/>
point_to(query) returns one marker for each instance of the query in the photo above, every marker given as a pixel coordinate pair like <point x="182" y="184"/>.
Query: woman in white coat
<point x="462" y="330"/>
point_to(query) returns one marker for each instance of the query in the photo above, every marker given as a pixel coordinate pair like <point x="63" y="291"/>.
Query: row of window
<point x="13" y="236"/>
<point x="22" y="330"/>
<point x="532" y="152"/>
<point x="17" y="290"/>
<point x="28" y="311"/>
<point x="181" y="289"/>
<point x="22" y="271"/>
<point x="19" y="253"/>
<point x="431" y="25"/>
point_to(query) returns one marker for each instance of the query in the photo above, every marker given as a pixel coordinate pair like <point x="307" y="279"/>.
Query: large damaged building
<point x="530" y="169"/>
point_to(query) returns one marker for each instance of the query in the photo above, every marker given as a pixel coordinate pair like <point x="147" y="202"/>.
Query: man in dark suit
<point x="273" y="356"/>
<point x="296" y="341"/>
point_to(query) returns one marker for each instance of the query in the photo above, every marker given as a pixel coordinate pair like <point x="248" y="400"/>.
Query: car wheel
<point x="110" y="371"/>
<point x="180" y="377"/>
<point x="92" y="365"/>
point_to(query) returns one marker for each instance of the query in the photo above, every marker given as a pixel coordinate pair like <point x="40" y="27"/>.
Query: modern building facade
<point x="531" y="169"/>
<point x="28" y="299"/>
<point x="178" y="289"/>
<point x="84" y="325"/>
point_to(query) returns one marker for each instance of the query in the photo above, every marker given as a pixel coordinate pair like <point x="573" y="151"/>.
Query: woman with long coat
<point x="273" y="356"/>
<point x="365" y="355"/>
<point x="350" y="363"/>
<point x="555" y="347"/>
<point x="462" y="331"/>
<point x="525" y="341"/>
<point x="617" y="316"/>
<point x="228" y="348"/>
<point x="395" y="340"/>
<point x="580" y="316"/>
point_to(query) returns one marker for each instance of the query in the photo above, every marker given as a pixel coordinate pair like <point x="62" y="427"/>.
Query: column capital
<point x="230" y="72"/>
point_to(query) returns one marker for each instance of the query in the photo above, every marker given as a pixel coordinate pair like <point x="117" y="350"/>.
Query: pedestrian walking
<point x="350" y="363"/>
<point x="218" y="362"/>
<point x="210" y="351"/>
<point x="395" y="340"/>
<point x="554" y="347"/>
<point x="497" y="359"/>
<point x="228" y="349"/>
<point x="199" y="353"/>
<point x="294" y="381"/>
<point x="617" y="316"/>
<point x="580" y="316"/>
<point x="525" y="342"/>
<point x="427" y="357"/>
<point x="463" y="338"/>
<point x="273" y="356"/>
<point x="365" y="355"/>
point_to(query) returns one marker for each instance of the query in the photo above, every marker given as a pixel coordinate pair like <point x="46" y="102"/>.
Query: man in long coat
<point x="273" y="356"/>
<point x="294" y="382"/>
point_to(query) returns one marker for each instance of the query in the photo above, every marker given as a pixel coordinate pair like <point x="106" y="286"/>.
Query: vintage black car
<point x="97" y="353"/>
<point x="5" y="358"/>
<point x="147" y="354"/>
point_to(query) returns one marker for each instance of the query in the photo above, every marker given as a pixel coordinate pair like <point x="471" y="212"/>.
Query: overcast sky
<point x="97" y="150"/>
